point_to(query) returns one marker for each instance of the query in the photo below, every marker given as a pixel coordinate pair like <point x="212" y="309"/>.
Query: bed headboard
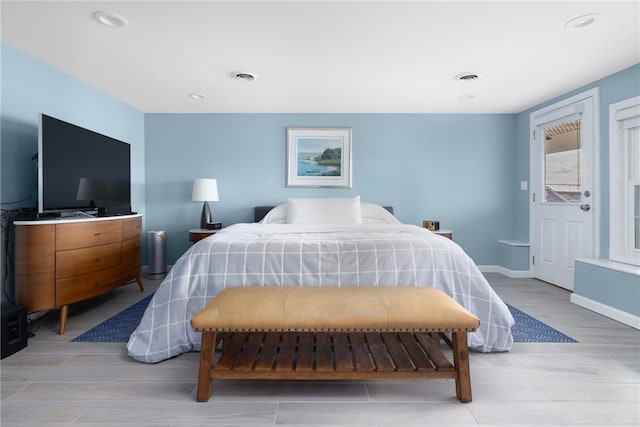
<point x="259" y="212"/>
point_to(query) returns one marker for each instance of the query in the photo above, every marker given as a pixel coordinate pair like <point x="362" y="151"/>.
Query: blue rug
<point x="528" y="329"/>
<point x="119" y="327"/>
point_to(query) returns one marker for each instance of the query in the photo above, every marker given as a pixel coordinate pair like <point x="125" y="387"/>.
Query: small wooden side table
<point x="196" y="234"/>
<point x="444" y="233"/>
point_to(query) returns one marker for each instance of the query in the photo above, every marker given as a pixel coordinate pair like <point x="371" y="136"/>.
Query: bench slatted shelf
<point x="270" y="355"/>
<point x="268" y="333"/>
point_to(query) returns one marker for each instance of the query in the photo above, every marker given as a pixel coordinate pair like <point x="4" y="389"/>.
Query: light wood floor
<point x="595" y="382"/>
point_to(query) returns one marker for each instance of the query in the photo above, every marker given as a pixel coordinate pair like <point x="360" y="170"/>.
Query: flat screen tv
<point x="81" y="171"/>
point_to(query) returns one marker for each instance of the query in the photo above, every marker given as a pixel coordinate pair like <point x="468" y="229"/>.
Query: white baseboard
<point x="606" y="310"/>
<point x="514" y="274"/>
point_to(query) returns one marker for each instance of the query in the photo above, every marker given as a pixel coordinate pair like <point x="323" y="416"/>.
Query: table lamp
<point x="206" y="190"/>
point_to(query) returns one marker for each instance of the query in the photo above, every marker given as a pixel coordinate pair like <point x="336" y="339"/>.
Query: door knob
<point x="585" y="207"/>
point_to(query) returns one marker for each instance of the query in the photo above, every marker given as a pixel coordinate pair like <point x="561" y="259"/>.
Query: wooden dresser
<point x="64" y="261"/>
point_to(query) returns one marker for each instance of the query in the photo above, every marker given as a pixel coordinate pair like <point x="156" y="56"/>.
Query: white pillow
<point x="324" y="211"/>
<point x="371" y="214"/>
<point x="376" y="214"/>
<point x="277" y="215"/>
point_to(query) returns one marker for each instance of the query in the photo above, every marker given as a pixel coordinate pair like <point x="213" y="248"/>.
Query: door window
<point x="562" y="157"/>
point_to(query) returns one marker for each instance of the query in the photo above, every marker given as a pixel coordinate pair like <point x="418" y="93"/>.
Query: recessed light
<point x="243" y="75"/>
<point x="197" y="95"/>
<point x="110" y="19"/>
<point x="582" y="21"/>
<point x="467" y="96"/>
<point x="467" y="76"/>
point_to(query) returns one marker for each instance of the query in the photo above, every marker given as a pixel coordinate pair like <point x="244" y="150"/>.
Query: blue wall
<point x="613" y="288"/>
<point x="616" y="87"/>
<point x="454" y="168"/>
<point x="29" y="88"/>
<point x="463" y="170"/>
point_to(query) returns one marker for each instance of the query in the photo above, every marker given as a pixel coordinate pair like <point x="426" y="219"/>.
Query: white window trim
<point x="621" y="223"/>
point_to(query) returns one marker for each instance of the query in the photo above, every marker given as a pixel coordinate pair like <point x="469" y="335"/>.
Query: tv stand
<point x="62" y="261"/>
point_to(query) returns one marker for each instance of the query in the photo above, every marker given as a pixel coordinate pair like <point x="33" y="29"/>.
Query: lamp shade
<point x="205" y="190"/>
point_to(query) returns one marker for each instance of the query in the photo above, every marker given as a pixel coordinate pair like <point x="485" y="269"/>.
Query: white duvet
<point x="314" y="255"/>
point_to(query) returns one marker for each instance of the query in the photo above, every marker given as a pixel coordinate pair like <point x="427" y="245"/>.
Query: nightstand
<point x="444" y="233"/>
<point x="196" y="234"/>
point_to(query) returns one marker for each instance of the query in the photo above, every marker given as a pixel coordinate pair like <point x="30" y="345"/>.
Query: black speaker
<point x="13" y="329"/>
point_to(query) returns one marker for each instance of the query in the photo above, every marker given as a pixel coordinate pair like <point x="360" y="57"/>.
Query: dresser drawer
<point x="84" y="235"/>
<point x="78" y="288"/>
<point x="35" y="266"/>
<point x="131" y="259"/>
<point x="81" y="261"/>
<point x="131" y="228"/>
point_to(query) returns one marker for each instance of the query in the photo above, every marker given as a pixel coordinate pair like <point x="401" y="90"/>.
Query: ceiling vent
<point x="243" y="75"/>
<point x="469" y="76"/>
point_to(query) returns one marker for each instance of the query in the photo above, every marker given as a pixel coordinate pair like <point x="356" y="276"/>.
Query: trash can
<point x="157" y="243"/>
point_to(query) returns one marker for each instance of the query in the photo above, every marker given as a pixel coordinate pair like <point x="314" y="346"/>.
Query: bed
<point x="315" y="242"/>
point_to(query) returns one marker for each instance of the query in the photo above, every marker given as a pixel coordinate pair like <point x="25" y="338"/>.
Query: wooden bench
<point x="333" y="333"/>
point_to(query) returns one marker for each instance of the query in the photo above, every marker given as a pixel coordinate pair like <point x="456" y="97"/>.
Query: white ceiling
<point x="329" y="56"/>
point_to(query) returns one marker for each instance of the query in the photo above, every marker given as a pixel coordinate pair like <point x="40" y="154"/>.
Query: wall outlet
<point x="524" y="185"/>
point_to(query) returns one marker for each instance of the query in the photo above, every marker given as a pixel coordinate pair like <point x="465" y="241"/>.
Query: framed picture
<point x="319" y="157"/>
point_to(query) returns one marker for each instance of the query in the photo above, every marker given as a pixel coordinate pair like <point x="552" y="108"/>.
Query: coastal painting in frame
<point x="319" y="157"/>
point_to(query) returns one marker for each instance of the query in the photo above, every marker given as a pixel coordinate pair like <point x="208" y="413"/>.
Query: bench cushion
<point x="333" y="309"/>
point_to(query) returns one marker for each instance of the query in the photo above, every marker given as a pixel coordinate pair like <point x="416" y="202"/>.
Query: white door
<point x="563" y="167"/>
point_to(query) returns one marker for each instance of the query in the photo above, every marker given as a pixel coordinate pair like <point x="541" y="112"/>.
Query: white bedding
<point x="314" y="255"/>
